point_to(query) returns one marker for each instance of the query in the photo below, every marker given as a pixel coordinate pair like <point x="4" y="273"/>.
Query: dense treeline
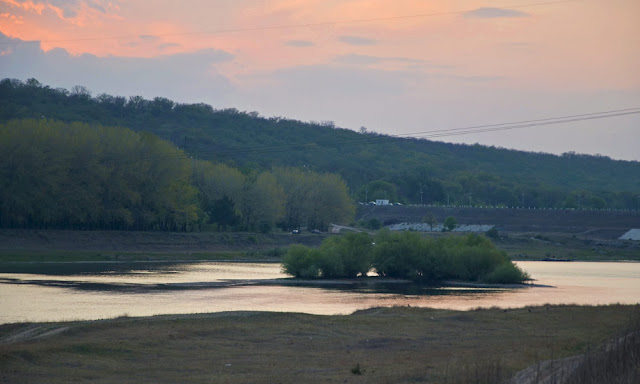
<point x="404" y="255"/>
<point x="284" y="197"/>
<point x="374" y="166"/>
<point x="76" y="175"/>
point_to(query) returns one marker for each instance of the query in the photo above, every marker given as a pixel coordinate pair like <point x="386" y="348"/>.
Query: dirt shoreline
<point x="133" y="241"/>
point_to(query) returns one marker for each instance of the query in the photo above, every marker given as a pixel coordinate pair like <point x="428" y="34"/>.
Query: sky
<point x="402" y="67"/>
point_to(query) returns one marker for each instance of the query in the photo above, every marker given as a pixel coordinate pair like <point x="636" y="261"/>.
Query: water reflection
<point x="368" y="286"/>
<point x="141" y="277"/>
<point x="63" y="291"/>
<point x="405" y="289"/>
<point x="84" y="268"/>
<point x="119" y="287"/>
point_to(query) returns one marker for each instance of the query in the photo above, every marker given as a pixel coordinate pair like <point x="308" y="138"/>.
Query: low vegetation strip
<point x="105" y="242"/>
<point x="405" y="255"/>
<point x="615" y="222"/>
<point x="387" y="345"/>
<point x="22" y="245"/>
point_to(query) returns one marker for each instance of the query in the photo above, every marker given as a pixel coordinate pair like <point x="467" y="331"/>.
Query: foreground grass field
<point x="385" y="345"/>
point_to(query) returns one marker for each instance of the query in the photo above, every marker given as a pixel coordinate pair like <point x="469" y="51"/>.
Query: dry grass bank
<point x="387" y="345"/>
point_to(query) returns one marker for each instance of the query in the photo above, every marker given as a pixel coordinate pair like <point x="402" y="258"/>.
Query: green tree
<point x="328" y="201"/>
<point x="450" y="223"/>
<point x="312" y="199"/>
<point x="373" y="223"/>
<point x="296" y="199"/>
<point x="380" y="189"/>
<point x="430" y="219"/>
<point x="300" y="261"/>
<point x="262" y="202"/>
<point x="214" y="183"/>
<point x="223" y="213"/>
<point x="353" y="252"/>
<point x="493" y="233"/>
<point x="73" y="175"/>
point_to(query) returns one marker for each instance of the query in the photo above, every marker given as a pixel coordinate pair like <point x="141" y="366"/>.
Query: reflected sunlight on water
<point x="110" y="290"/>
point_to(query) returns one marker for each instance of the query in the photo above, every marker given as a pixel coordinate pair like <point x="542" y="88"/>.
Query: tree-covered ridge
<point x="77" y="175"/>
<point x="374" y="166"/>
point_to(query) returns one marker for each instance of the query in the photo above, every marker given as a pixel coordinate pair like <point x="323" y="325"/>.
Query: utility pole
<point x="470" y="194"/>
<point x="522" y="199"/>
<point x="420" y="195"/>
<point x="366" y="195"/>
<point x="447" y="199"/>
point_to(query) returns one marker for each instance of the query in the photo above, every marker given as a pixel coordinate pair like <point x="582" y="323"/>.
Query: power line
<point x="534" y="124"/>
<point x="293" y="26"/>
<point x="438" y="133"/>
<point x="550" y="120"/>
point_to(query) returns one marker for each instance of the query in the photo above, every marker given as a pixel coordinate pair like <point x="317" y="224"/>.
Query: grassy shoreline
<point x="62" y="246"/>
<point x="61" y="256"/>
<point x="385" y="344"/>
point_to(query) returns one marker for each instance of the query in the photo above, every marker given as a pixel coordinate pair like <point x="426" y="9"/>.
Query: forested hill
<point x="374" y="166"/>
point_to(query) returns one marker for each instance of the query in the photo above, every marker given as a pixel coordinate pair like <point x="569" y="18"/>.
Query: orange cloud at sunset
<point x="520" y="43"/>
<point x="26" y="5"/>
<point x="434" y="31"/>
<point x="363" y="59"/>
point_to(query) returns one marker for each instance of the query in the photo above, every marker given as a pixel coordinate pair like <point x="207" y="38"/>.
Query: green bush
<point x="374" y="224"/>
<point x="299" y="262"/>
<point x="404" y="255"/>
<point x="337" y="257"/>
<point x="450" y="223"/>
<point x="354" y="252"/>
<point x="493" y="233"/>
<point x="507" y="273"/>
<point x="399" y="255"/>
<point x="329" y="264"/>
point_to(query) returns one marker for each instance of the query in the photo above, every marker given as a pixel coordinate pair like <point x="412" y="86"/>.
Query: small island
<point x="405" y="255"/>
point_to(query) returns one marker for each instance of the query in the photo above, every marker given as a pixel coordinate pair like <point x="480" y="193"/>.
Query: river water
<point x="85" y="291"/>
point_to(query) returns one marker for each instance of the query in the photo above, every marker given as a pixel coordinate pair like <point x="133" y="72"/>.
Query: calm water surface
<point x="59" y="291"/>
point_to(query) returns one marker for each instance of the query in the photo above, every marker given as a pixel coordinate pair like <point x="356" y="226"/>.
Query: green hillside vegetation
<point x="404" y="255"/>
<point x="86" y="176"/>
<point x="373" y="166"/>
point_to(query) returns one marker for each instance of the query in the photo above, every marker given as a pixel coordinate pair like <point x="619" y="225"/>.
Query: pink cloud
<point x="36" y="7"/>
<point x="77" y="12"/>
<point x="15" y="19"/>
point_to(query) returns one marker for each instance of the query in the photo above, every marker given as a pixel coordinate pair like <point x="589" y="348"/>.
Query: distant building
<point x="382" y="202"/>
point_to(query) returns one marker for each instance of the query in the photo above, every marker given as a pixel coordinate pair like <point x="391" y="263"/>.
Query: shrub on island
<point x="337" y="257"/>
<point x="405" y="255"/>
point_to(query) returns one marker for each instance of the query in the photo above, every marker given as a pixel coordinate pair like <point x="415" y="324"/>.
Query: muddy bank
<point x="130" y="241"/>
